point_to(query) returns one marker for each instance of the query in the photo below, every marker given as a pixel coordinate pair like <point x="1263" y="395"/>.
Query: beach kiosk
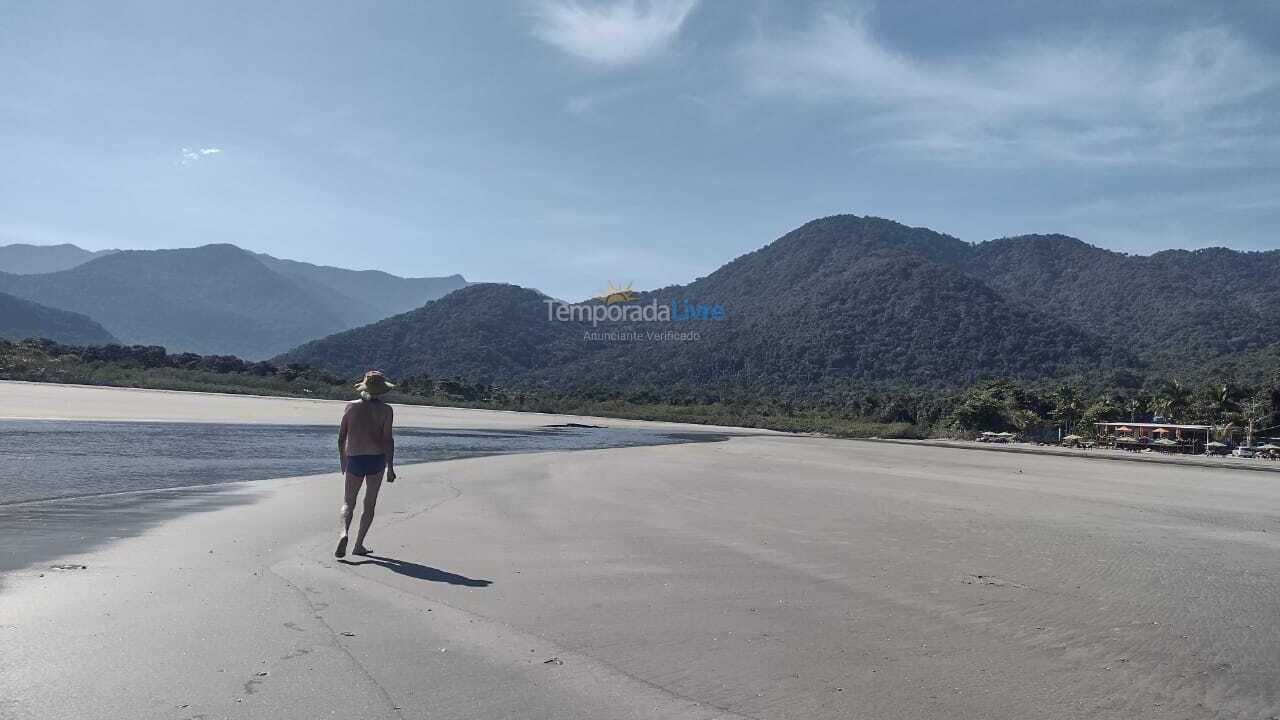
<point x="1161" y="437"/>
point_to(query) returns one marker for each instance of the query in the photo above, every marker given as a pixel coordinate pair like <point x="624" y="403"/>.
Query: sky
<point x="565" y="144"/>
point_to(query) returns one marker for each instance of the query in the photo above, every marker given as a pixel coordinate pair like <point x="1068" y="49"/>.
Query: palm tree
<point x="1222" y="402"/>
<point x="1162" y="406"/>
<point x="1066" y="406"/>
<point x="1026" y="421"/>
<point x="1223" y="433"/>
<point x="1172" y="399"/>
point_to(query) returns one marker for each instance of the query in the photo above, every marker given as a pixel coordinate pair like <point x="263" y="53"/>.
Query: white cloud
<point x="1084" y="99"/>
<point x="190" y="155"/>
<point x="618" y="33"/>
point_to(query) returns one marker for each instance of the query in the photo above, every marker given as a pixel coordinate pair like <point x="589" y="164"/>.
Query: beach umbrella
<point x="1123" y="428"/>
<point x="1269" y="446"/>
<point x="1004" y="434"/>
<point x="1160" y="431"/>
<point x="1215" y="444"/>
<point x="1073" y="437"/>
<point x="1163" y="441"/>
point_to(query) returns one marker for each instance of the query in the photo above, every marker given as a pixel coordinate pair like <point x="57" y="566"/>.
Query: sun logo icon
<point x="615" y="295"/>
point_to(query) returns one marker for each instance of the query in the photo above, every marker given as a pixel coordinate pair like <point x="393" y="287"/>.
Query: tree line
<point x="996" y="405"/>
<point x="1005" y="406"/>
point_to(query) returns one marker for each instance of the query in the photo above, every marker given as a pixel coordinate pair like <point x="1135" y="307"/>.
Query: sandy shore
<point x="26" y="400"/>
<point x="763" y="577"/>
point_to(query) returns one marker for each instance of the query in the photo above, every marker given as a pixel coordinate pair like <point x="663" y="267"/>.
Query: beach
<point x="765" y="576"/>
<point x="50" y="401"/>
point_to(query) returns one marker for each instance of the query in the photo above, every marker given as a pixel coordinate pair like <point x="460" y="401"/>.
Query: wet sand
<point x="68" y="487"/>
<point x="762" y="577"/>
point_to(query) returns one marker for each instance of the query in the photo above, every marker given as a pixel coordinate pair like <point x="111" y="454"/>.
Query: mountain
<point x="21" y="319"/>
<point x="840" y="302"/>
<point x="377" y="293"/>
<point x="873" y="302"/>
<point x="1178" y="307"/>
<point x="486" y="330"/>
<point x="23" y="259"/>
<point x="215" y="299"/>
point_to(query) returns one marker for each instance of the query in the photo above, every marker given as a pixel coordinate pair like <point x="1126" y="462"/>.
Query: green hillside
<point x="21" y="319"/>
<point x="839" y="303"/>
<point x="1179" y="308"/>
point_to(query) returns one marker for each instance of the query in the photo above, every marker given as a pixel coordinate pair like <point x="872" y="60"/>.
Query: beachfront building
<point x="1162" y="437"/>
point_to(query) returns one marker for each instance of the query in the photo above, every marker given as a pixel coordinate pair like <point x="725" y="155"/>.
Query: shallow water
<point x="49" y="459"/>
<point x="68" y="486"/>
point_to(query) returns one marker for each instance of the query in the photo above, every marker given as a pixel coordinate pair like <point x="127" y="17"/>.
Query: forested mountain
<point x="216" y="299"/>
<point x="874" y="301"/>
<point x="24" y="259"/>
<point x="1177" y="307"/>
<point x="842" y="302"/>
<point x="21" y="319"/>
<point x="485" y="330"/>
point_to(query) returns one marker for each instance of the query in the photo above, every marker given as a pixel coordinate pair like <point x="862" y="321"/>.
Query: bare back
<point x="368" y="427"/>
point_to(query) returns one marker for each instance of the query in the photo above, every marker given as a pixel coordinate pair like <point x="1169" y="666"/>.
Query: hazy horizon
<point x="561" y="145"/>
<point x="678" y="281"/>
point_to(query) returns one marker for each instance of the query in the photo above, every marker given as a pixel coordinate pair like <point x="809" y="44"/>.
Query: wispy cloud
<point x="1081" y="99"/>
<point x="618" y="33"/>
<point x="190" y="155"/>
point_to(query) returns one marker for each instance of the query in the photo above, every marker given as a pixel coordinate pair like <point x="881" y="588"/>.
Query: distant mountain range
<point x="23" y="259"/>
<point x="847" y="302"/>
<point x="843" y="304"/>
<point x="374" y="294"/>
<point x="21" y="319"/>
<point x="215" y="299"/>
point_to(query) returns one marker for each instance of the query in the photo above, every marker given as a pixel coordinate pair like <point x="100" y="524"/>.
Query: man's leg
<point x="372" y="484"/>
<point x="349" y="495"/>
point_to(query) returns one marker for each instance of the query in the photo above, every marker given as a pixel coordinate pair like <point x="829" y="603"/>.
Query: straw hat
<point x="374" y="383"/>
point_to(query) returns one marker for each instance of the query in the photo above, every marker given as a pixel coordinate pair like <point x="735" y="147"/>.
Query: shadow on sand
<point x="416" y="571"/>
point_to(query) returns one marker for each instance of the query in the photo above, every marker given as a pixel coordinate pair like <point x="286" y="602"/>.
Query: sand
<point x="762" y="577"/>
<point x="27" y="400"/>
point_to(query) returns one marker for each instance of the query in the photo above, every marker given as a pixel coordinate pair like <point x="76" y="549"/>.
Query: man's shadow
<point x="416" y="571"/>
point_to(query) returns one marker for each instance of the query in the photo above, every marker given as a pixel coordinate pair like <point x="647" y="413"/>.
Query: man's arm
<point x="389" y="441"/>
<point x="342" y="443"/>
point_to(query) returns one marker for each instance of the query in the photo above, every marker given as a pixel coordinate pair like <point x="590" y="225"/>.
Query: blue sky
<point x="562" y="145"/>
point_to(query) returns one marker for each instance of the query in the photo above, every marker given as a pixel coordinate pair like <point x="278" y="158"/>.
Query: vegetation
<point x="1179" y="309"/>
<point x="1003" y="406"/>
<point x="840" y="308"/>
<point x="151" y="367"/>
<point x="22" y="318"/>
<point x="844" y="307"/>
<point x="1029" y="409"/>
<point x="846" y="325"/>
